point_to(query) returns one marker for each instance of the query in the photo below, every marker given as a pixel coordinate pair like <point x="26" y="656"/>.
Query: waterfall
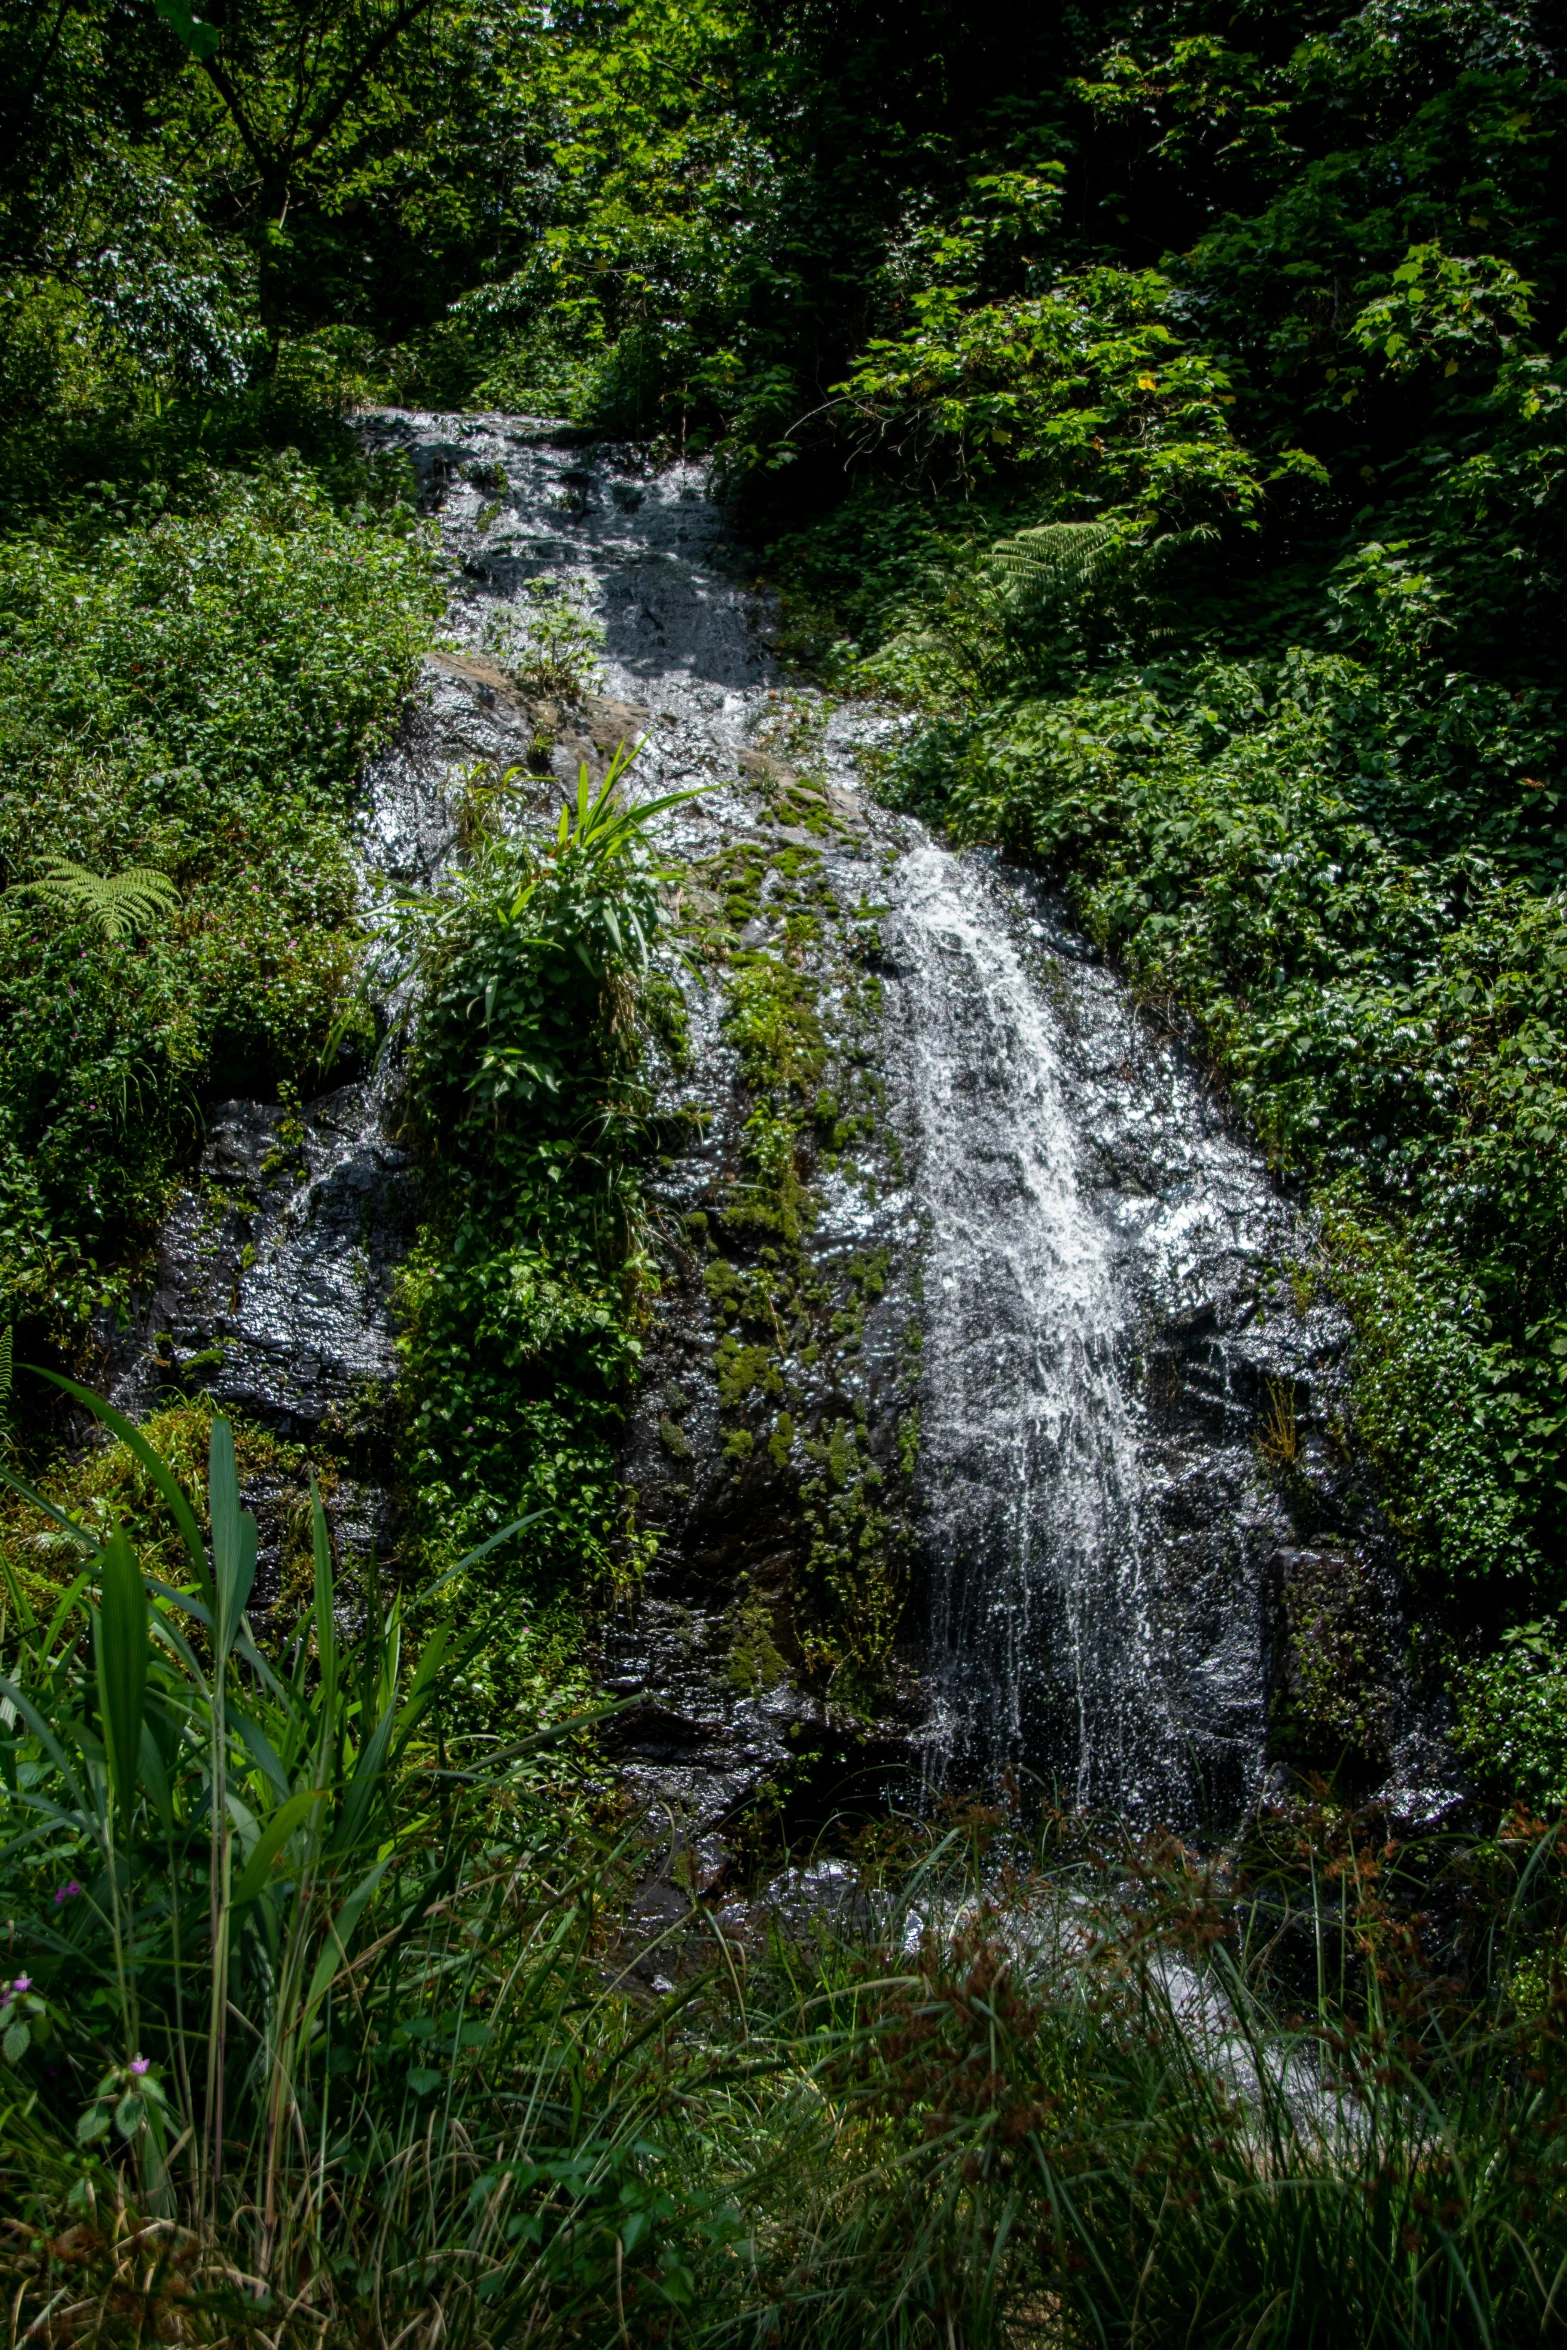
<point x="1091" y="1247"/>
<point x="1039" y="1633"/>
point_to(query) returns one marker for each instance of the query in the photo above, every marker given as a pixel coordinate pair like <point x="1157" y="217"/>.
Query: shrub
<point x="195" y="694"/>
<point x="523" y="1295"/>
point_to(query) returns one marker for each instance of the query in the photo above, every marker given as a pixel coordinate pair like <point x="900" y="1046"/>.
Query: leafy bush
<point x="286" y="1949"/>
<point x="526" y="1104"/>
<point x="195" y="694"/>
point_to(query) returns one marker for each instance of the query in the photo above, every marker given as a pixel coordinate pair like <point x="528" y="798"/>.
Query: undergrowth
<point x="523" y="1296"/>
<point x="194" y="694"/>
<point x="321" y="2024"/>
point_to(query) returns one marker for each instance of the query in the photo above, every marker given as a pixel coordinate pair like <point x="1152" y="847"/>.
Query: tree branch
<point x="389" y="33"/>
<point x="250" y="139"/>
<point x="276" y="165"/>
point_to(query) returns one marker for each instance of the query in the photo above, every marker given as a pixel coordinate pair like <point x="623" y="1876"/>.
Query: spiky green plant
<point x="136" y="898"/>
<point x="230" y="1826"/>
<point x="1056" y="560"/>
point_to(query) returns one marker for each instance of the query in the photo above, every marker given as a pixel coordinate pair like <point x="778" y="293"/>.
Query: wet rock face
<point x="1033" y="1355"/>
<point x="274" y="1278"/>
<point x="1094" y="1524"/>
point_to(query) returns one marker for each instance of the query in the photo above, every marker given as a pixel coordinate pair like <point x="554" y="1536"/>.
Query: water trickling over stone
<point x="1086" y="1248"/>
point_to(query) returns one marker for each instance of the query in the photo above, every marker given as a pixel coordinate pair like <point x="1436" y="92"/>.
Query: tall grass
<point x="280" y="1954"/>
<point x="320" y="2019"/>
<point x="1083" y="2115"/>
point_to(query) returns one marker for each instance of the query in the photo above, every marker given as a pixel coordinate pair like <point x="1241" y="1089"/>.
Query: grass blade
<point x="121" y="1656"/>
<point x="162" y="1476"/>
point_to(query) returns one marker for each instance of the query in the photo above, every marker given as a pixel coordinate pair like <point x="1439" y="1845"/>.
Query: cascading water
<point x="1093" y="1538"/>
<point x="1039" y="1636"/>
<point x="1097" y="1536"/>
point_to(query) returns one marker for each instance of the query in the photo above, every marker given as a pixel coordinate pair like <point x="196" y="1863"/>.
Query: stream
<point x="1100" y="1559"/>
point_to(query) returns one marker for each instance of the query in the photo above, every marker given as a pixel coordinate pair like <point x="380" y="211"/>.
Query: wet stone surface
<point x="1126" y="1520"/>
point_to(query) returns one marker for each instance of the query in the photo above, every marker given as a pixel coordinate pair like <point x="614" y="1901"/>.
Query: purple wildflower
<point x="140" y="2065"/>
<point x="67" y="1892"/>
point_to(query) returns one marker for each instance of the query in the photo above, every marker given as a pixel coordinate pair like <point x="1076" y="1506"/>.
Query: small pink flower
<point x="66" y="1892"/>
<point x="140" y="2065"/>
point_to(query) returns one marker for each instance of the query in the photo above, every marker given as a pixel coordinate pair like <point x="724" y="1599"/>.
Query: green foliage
<point x="196" y="694"/>
<point x="119" y="903"/>
<point x="186" y="1898"/>
<point x="1166" y="405"/>
<point x="522" y="1296"/>
<point x="1087" y="387"/>
<point x="427" y="2091"/>
<point x="1512" y="1715"/>
<point x="1114" y="2092"/>
<point x="199" y="37"/>
<point x="551" y="646"/>
<point x="273" y="1926"/>
<point x="1466" y="1470"/>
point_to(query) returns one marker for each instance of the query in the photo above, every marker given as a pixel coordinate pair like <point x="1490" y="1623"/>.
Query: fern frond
<point x="133" y="899"/>
<point x="1055" y="559"/>
<point x="1180" y="542"/>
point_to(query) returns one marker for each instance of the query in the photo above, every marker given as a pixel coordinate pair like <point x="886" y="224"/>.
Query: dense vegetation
<point x="1165" y="406"/>
<point x="324" y="2020"/>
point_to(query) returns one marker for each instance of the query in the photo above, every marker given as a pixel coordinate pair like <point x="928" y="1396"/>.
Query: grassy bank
<point x="318" y="2026"/>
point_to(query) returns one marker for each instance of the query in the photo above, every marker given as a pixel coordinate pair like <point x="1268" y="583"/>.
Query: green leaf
<point x="39" y="1726"/>
<point x="79" y="1535"/>
<point x="276" y="1833"/>
<point x="17" y="2042"/>
<point x="424" y="1674"/>
<point x="421" y="2080"/>
<point x="233" y="1538"/>
<point x="263" y="1749"/>
<point x="162" y="1476"/>
<point x="199" y="37"/>
<point x="473" y="1557"/>
<point x="342" y="1929"/>
<point x="120" y="1639"/>
<point x="326" y="1621"/>
<point x="156" y="1780"/>
<point x="368" y="1772"/>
